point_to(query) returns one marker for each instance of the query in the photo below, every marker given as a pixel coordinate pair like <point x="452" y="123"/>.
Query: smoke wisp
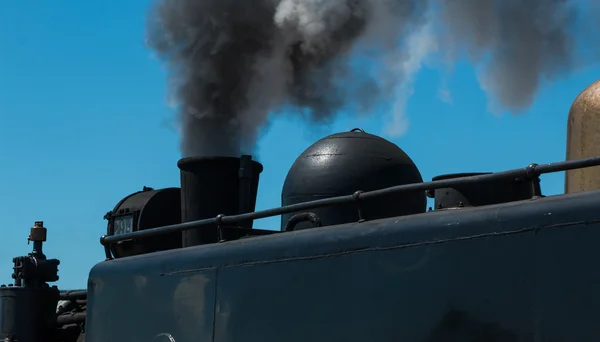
<point x="518" y="43"/>
<point x="233" y="63"/>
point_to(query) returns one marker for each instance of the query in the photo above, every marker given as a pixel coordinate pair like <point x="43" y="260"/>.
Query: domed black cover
<point x="343" y="163"/>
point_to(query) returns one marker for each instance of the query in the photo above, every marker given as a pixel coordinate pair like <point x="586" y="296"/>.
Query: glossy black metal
<point x="302" y="217"/>
<point x="70" y="319"/>
<point x="27" y="314"/>
<point x="342" y="163"/>
<point x="216" y="185"/>
<point x="247" y="192"/>
<point x="231" y="233"/>
<point x="146" y="209"/>
<point x="483" y="193"/>
<point x="73" y="294"/>
<point x="518" y="271"/>
<point x="529" y="171"/>
<point x="28" y="307"/>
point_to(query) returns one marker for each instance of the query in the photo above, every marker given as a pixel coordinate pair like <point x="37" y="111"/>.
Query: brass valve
<point x="37" y="232"/>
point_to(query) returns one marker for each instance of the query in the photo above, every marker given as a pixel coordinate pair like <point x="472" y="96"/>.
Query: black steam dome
<point x="343" y="163"/>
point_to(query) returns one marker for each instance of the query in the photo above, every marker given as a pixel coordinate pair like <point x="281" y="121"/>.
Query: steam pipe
<point x="73" y="294"/>
<point x="528" y="171"/>
<point x="78" y="317"/>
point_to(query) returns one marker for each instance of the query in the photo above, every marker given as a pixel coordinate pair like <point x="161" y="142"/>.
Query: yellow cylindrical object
<point x="583" y="139"/>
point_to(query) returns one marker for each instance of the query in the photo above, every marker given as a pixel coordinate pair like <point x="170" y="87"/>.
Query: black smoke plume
<point x="233" y="63"/>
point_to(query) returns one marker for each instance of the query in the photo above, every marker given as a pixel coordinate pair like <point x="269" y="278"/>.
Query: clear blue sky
<point x="84" y="122"/>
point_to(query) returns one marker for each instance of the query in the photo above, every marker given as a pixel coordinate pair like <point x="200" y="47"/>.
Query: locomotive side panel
<point x="528" y="285"/>
<point x="509" y="272"/>
<point x="145" y="305"/>
<point x="422" y="293"/>
<point x="566" y="297"/>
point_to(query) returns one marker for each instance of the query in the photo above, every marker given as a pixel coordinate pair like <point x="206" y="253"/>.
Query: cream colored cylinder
<point x="583" y="139"/>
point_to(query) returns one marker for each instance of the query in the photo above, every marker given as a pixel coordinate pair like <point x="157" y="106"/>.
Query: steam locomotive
<point x="358" y="256"/>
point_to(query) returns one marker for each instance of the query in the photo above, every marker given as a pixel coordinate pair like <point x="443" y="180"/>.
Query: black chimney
<point x="216" y="185"/>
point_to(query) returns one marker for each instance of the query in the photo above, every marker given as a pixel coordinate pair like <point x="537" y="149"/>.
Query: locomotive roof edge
<point x="320" y="241"/>
<point x="532" y="170"/>
<point x="506" y="265"/>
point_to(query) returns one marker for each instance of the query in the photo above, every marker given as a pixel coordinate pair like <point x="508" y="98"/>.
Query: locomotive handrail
<point x="529" y="171"/>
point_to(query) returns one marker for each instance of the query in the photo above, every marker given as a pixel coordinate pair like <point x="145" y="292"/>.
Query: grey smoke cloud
<point x="233" y="63"/>
<point x="518" y="43"/>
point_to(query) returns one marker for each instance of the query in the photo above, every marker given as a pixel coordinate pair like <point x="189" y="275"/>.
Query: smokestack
<point x="583" y="139"/>
<point x="216" y="185"/>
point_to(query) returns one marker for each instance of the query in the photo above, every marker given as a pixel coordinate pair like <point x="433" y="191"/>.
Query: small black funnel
<point x="216" y="185"/>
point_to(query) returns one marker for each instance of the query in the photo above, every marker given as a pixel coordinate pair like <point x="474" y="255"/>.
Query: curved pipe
<point x="73" y="294"/>
<point x="302" y="217"/>
<point x="78" y="317"/>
